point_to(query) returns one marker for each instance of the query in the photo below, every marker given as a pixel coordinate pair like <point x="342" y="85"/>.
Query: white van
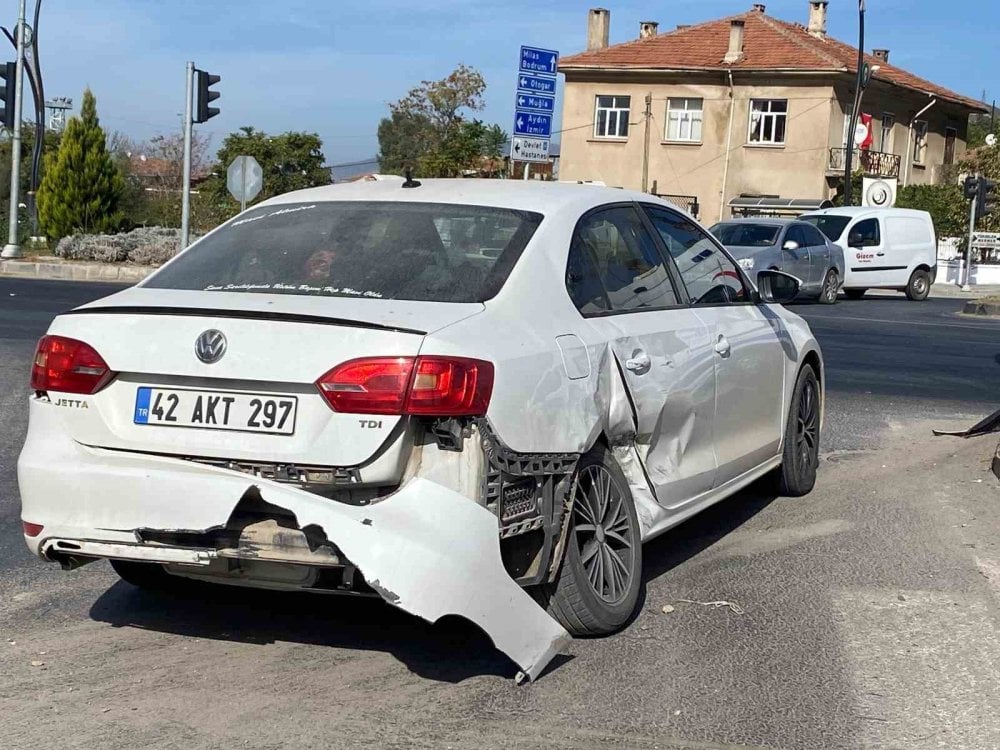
<point x="884" y="248"/>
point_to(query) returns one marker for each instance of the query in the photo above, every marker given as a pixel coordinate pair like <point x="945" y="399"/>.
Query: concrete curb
<point x="68" y="271"/>
<point x="981" y="309"/>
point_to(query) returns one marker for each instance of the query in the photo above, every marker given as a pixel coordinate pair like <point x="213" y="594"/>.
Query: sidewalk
<point x="71" y="270"/>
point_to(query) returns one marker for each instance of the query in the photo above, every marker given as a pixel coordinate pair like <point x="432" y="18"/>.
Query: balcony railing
<point x="874" y="163"/>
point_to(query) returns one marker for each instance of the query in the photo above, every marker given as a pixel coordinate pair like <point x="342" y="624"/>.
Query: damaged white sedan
<point x="467" y="397"/>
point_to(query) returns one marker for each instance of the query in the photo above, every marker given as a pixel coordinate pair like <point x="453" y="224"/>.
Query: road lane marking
<point x="908" y="322"/>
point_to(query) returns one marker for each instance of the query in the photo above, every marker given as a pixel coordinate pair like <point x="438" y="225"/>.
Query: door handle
<point x="881" y="255"/>
<point x="639" y="363"/>
<point x="722" y="346"/>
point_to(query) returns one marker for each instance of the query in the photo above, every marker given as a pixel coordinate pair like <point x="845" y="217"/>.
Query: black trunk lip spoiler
<point x="208" y="312"/>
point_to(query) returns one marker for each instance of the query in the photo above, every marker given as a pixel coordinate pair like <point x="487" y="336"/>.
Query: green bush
<point x="945" y="203"/>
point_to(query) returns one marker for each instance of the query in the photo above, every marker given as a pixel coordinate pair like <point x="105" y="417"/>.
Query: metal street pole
<point x="859" y="83"/>
<point x="968" y="250"/>
<point x="186" y="179"/>
<point x="12" y="249"/>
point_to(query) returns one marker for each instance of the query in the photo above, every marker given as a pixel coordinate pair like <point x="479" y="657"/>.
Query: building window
<point x="611" y="117"/>
<point x="950" y="136"/>
<point x="684" y="118"/>
<point x="848" y="111"/>
<point x="886" y="143"/>
<point x="768" y="118"/>
<point x="919" y="141"/>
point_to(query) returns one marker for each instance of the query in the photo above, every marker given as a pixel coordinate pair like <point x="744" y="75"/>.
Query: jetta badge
<point x="210" y="346"/>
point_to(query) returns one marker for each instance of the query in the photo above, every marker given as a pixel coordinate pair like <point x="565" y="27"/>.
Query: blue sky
<point x="331" y="66"/>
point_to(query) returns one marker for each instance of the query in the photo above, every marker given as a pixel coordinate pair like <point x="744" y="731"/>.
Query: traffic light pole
<point x="13" y="249"/>
<point x="967" y="276"/>
<point x="186" y="179"/>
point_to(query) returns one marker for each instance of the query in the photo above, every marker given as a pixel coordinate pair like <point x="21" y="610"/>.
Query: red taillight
<point x="32" y="529"/>
<point x="67" y="365"/>
<point x="426" y="386"/>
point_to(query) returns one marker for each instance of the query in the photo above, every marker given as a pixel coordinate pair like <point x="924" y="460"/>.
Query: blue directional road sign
<point x="536" y="60"/>
<point x="530" y="83"/>
<point x="534" y="124"/>
<point x="536" y="102"/>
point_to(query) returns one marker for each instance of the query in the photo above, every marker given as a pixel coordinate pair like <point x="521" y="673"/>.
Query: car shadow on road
<point x="451" y="650"/>
<point x="697" y="534"/>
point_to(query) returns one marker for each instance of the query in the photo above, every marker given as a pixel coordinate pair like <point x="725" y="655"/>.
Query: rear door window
<point x="711" y="276"/>
<point x="378" y="250"/>
<point x="813" y="236"/>
<point x="613" y="252"/>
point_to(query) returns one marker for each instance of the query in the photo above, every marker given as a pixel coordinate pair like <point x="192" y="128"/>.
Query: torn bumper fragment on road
<point x="985" y="426"/>
<point x="426" y="549"/>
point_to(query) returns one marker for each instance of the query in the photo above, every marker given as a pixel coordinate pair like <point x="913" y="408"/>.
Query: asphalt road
<point x="863" y="616"/>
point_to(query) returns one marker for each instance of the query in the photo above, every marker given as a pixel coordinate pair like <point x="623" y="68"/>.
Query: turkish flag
<point x="863" y="136"/>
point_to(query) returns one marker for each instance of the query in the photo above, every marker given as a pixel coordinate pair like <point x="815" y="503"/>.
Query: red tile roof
<point x="769" y="45"/>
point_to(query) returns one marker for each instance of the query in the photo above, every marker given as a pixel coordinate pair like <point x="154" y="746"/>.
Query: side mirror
<point x="855" y="240"/>
<point x="777" y="286"/>
<point x="790" y="246"/>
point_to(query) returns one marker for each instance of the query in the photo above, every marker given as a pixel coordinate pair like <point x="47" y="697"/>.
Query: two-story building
<point x="744" y="107"/>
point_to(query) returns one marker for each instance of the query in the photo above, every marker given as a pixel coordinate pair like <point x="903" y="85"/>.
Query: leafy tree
<point x="984" y="161"/>
<point x="945" y="203"/>
<point x="428" y="130"/>
<point x="82" y="186"/>
<point x="153" y="173"/>
<point x="290" y="161"/>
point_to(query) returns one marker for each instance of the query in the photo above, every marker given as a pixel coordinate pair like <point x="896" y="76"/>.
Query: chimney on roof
<point x="648" y="29"/>
<point x="598" y="28"/>
<point x="759" y="7"/>
<point x="817" y="18"/>
<point x="736" y="31"/>
<point x="683" y="26"/>
<point x="881" y="54"/>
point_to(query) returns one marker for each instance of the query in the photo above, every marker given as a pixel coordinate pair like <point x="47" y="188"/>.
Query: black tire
<point x="800" y="459"/>
<point x="854" y="293"/>
<point x="830" y="288"/>
<point x="919" y="286"/>
<point x="149" y="576"/>
<point x="583" y="598"/>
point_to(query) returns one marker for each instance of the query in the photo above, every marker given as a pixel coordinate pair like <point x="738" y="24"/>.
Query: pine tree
<point x="82" y="186"/>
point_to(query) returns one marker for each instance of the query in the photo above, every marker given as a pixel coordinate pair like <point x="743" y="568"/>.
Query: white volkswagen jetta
<point x="468" y="397"/>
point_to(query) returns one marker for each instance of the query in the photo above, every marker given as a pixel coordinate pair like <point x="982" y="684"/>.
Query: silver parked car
<point x="787" y="245"/>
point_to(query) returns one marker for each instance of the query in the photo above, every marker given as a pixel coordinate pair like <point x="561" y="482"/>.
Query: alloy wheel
<point x="807" y="427"/>
<point x="603" y="534"/>
<point x="830" y="287"/>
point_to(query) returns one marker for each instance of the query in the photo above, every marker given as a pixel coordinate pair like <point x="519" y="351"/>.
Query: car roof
<point x="853" y="211"/>
<point x="525" y="195"/>
<point x="767" y="221"/>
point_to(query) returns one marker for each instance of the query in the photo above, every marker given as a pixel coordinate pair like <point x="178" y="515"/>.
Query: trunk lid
<point x="277" y="346"/>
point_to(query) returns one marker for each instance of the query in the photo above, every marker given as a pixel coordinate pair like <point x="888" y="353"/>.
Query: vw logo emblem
<point x="210" y="346"/>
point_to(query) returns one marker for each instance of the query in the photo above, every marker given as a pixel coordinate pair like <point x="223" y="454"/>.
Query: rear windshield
<point x="829" y="224"/>
<point x="382" y="250"/>
<point x="746" y="235"/>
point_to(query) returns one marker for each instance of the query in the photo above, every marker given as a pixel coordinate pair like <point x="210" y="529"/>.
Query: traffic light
<point x="203" y="83"/>
<point x="986" y="200"/>
<point x="971" y="187"/>
<point x="8" y="89"/>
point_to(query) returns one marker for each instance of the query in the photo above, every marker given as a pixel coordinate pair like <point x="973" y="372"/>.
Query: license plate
<point x="216" y="410"/>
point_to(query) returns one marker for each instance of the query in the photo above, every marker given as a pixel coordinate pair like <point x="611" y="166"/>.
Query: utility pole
<point x="645" y="145"/>
<point x="858" y="86"/>
<point x="12" y="249"/>
<point x="186" y="179"/>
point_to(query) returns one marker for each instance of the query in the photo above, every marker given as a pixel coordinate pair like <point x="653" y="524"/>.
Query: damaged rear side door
<point x="620" y="282"/>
